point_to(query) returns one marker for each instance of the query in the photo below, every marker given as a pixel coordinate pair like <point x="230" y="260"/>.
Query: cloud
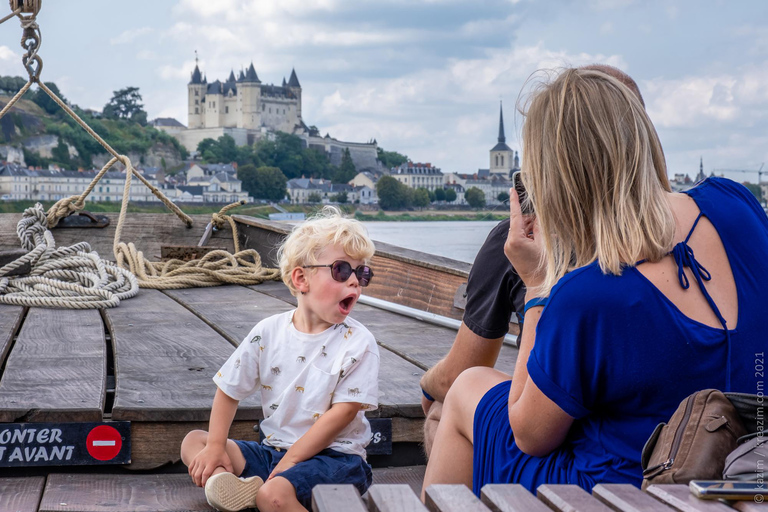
<point x="129" y="36"/>
<point x="10" y="62"/>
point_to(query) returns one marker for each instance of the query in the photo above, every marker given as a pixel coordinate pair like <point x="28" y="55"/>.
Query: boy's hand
<point x="206" y="462"/>
<point x="283" y="465"/>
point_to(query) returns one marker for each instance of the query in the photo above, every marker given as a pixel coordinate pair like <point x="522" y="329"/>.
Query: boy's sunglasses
<point x="341" y="270"/>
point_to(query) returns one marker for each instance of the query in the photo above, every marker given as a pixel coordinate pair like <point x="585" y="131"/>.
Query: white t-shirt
<point x="301" y="375"/>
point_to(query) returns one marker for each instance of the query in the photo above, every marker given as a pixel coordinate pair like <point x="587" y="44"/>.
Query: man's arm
<point x="468" y="350"/>
<point x="319" y="436"/>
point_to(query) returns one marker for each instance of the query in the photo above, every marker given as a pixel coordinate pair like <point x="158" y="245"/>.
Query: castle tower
<point x="249" y="99"/>
<point x="196" y="98"/>
<point x="501" y="154"/>
<point x="295" y="86"/>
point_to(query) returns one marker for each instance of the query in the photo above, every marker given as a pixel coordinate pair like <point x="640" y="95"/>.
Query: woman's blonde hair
<point x="326" y="228"/>
<point x="595" y="170"/>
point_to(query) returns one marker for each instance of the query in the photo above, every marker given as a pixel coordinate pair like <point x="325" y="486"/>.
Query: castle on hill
<point x="249" y="110"/>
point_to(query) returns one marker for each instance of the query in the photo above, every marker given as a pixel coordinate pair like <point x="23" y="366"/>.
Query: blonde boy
<point x="317" y="372"/>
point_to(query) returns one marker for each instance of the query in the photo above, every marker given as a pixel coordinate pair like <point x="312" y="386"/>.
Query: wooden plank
<point x="57" y="369"/>
<point x="510" y="498"/>
<point x="569" y="498"/>
<point x="679" y="497"/>
<point x="7" y="257"/>
<point x="626" y="498"/>
<point x="165" y="358"/>
<point x="21" y="494"/>
<point x="336" y="498"/>
<point x="413" y="476"/>
<point x="155" y="444"/>
<point x="148" y="231"/>
<point x="10" y="319"/>
<point x="122" y="493"/>
<point x="393" y="498"/>
<point x="452" y="498"/>
<point x="750" y="506"/>
<point x="399" y="391"/>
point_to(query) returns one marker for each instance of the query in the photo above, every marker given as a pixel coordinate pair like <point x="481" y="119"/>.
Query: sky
<point x="425" y="77"/>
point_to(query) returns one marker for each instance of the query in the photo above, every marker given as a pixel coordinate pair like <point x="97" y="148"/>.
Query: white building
<point x="417" y="175"/>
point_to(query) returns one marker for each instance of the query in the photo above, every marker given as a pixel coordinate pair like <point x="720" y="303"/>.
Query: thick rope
<point x="69" y="277"/>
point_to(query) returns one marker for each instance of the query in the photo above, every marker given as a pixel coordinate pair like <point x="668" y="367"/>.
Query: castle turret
<point x="295" y="86"/>
<point x="250" y="99"/>
<point x="195" y="99"/>
<point x="501" y="154"/>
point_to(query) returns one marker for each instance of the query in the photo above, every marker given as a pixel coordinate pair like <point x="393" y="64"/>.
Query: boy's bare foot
<point x="228" y="493"/>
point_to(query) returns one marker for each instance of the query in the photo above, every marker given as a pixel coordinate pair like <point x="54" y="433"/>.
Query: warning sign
<point x="64" y="444"/>
<point x="104" y="442"/>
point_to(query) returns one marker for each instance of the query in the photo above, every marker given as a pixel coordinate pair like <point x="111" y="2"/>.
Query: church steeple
<point x="502" y="138"/>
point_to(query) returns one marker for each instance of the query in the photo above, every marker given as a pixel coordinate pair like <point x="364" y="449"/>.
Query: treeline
<point x="266" y="166"/>
<point x="121" y="123"/>
<point x="393" y="195"/>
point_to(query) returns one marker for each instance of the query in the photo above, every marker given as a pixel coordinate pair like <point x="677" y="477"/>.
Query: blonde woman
<point x="637" y="297"/>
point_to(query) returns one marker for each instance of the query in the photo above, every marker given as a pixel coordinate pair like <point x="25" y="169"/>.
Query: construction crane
<point x="759" y="172"/>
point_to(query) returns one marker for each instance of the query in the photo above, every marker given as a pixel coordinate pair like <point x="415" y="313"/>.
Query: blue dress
<point x="618" y="356"/>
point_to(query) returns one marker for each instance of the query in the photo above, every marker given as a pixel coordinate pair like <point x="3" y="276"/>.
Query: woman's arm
<point x="539" y="425"/>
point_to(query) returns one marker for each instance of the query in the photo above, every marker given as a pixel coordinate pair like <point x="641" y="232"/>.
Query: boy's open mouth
<point x="345" y="305"/>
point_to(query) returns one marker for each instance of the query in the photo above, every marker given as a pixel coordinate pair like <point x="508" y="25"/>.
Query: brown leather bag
<point x="695" y="442"/>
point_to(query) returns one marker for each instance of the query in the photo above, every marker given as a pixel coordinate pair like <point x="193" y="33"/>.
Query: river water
<point x="452" y="239"/>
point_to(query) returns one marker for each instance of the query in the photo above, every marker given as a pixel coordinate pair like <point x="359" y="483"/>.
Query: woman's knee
<point x="275" y="494"/>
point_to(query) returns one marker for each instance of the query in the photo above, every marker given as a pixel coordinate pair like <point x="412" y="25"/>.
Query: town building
<point x="310" y="190"/>
<point x="418" y="175"/>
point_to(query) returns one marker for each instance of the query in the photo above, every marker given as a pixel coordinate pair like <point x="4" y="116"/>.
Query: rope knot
<point x="684" y="257"/>
<point x="64" y="208"/>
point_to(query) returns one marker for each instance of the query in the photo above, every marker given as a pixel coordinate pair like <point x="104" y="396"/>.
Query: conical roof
<point x="294" y="80"/>
<point x="251" y="76"/>
<point x="501" y="145"/>
<point x="196" y="76"/>
<point x="231" y="76"/>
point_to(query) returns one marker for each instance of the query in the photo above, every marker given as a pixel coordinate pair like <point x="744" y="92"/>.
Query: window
<point x="502" y="160"/>
<point x="226" y="110"/>
<point x="197" y="93"/>
<point x="497" y="160"/>
<point x="197" y="102"/>
<point x="214" y="104"/>
<point x="197" y="110"/>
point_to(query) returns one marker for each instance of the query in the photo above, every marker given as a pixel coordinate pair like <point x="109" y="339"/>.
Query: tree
<point x="347" y="171"/>
<point x="392" y="194"/>
<point x="432" y="196"/>
<point x="46" y="102"/>
<point x="475" y="197"/>
<point x="60" y="154"/>
<point x="421" y="198"/>
<point x="756" y="190"/>
<point x="503" y="197"/>
<point x="340" y="198"/>
<point x="263" y="182"/>
<point x="450" y="195"/>
<point x="314" y="197"/>
<point x="390" y="159"/>
<point x="222" y="150"/>
<point x="126" y="104"/>
<point x="439" y="194"/>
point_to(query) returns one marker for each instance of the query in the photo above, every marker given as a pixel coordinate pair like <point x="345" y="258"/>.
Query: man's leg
<point x="430" y="426"/>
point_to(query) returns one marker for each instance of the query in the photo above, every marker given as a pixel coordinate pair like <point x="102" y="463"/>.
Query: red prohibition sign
<point x="104" y="442"/>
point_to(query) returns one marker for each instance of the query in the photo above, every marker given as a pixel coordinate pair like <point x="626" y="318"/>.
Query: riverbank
<point x="262" y="211"/>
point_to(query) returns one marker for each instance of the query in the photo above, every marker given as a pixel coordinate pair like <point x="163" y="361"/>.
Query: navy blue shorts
<point x="327" y="467"/>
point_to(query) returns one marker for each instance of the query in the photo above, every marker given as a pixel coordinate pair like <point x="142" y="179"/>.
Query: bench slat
<point x="57" y="368"/>
<point x="679" y="497"/>
<point x="569" y="498"/>
<point x="21" y="494"/>
<point x="10" y="316"/>
<point x="627" y="498"/>
<point x="336" y="498"/>
<point x="122" y="493"/>
<point x="511" y="498"/>
<point x="393" y="498"/>
<point x="452" y="498"/>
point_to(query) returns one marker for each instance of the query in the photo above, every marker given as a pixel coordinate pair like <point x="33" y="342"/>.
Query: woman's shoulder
<point x="589" y="289"/>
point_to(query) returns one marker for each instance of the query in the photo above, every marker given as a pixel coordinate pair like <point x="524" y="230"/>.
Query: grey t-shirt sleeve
<point x="494" y="290"/>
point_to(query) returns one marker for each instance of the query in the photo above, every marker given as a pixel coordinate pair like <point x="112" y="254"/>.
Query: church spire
<point x="502" y="138"/>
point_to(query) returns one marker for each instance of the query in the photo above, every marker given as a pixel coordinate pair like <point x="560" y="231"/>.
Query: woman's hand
<point x="523" y="247"/>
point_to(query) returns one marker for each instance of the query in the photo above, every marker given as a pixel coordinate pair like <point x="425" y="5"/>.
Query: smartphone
<point x="728" y="490"/>
<point x="525" y="206"/>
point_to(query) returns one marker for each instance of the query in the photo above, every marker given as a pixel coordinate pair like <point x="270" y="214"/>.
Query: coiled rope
<point x="215" y="268"/>
<point x="70" y="277"/>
